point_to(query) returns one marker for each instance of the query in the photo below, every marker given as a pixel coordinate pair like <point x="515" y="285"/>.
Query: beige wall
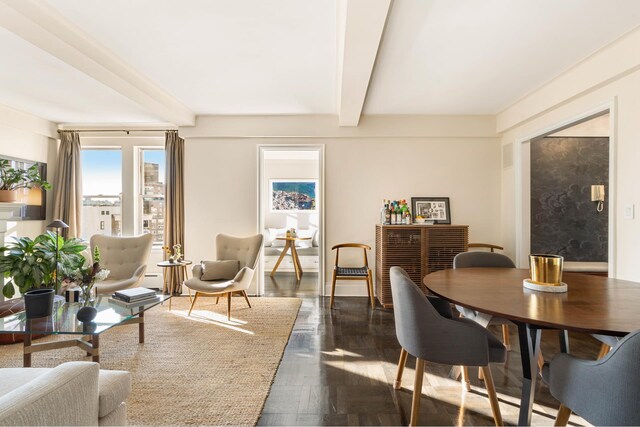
<point x="623" y="93"/>
<point x="221" y="184"/>
<point x="29" y="145"/>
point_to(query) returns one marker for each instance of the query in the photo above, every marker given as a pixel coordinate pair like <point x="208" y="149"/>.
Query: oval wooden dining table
<point x="592" y="304"/>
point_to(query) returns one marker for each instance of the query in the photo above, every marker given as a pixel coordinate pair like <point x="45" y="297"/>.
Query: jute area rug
<point x="201" y="370"/>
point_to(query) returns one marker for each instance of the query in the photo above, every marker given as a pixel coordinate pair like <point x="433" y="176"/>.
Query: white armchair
<point x="243" y="249"/>
<point x="73" y="393"/>
<point x="125" y="258"/>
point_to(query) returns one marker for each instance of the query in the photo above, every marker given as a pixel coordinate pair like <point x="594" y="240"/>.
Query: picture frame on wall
<point x="293" y="195"/>
<point x="434" y="209"/>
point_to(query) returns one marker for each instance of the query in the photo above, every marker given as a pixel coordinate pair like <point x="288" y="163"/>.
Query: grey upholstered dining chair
<point x="427" y="335"/>
<point x="604" y="391"/>
<point x="125" y="258"/>
<point x="485" y="259"/>
<point x="245" y="251"/>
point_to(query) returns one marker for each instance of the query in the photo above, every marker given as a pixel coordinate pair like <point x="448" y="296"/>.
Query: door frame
<point x="523" y="190"/>
<point x="320" y="148"/>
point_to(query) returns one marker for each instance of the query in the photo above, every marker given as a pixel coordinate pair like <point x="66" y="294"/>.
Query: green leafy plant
<point x="14" y="179"/>
<point x="31" y="263"/>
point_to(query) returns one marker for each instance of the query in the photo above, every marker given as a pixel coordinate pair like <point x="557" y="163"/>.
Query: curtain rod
<point x="127" y="131"/>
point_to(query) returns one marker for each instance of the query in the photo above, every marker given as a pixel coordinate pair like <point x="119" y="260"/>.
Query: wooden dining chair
<point x="426" y="334"/>
<point x="352" y="273"/>
<point x="603" y="392"/>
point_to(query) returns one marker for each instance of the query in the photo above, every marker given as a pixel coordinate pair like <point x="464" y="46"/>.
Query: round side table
<point x="171" y="277"/>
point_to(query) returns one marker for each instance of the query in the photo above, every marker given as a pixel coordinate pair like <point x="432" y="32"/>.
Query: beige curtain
<point x="174" y="200"/>
<point x="67" y="187"/>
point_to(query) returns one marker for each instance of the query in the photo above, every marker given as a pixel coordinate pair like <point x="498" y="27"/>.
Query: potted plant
<point x="30" y="265"/>
<point x="86" y="277"/>
<point x="12" y="180"/>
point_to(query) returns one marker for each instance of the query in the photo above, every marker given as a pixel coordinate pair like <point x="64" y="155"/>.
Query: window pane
<point x="101" y="192"/>
<point x="152" y="182"/>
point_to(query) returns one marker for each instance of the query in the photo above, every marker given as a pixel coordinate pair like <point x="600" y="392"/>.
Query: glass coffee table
<point x="63" y="321"/>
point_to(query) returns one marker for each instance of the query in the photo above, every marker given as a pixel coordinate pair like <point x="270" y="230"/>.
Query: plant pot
<point x="8" y="196"/>
<point x="38" y="303"/>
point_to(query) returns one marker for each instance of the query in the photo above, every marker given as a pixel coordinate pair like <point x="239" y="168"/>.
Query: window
<point x="101" y="187"/>
<point x="151" y="211"/>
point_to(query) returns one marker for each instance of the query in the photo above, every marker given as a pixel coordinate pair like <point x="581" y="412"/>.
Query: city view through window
<point x="102" y="193"/>
<point x="152" y="193"/>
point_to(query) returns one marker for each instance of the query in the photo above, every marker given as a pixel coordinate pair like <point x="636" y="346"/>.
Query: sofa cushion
<point x="305" y="234"/>
<point x="219" y="270"/>
<point x="113" y="389"/>
<point x="12" y="378"/>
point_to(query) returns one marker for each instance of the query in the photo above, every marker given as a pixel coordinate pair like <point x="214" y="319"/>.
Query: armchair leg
<point x="563" y="416"/>
<point x="195" y="297"/>
<point x="229" y="294"/>
<point x="246" y="298"/>
<point x="403" y="361"/>
<point x="417" y="392"/>
<point x="493" y="398"/>
<point x="333" y="289"/>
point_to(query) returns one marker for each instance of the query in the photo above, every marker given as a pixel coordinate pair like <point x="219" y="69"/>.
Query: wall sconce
<point x="597" y="195"/>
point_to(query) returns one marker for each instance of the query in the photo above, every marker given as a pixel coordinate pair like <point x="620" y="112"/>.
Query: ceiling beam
<point x="360" y="27"/>
<point x="47" y="29"/>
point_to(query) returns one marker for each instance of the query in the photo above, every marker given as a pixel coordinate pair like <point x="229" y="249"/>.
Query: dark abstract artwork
<point x="564" y="220"/>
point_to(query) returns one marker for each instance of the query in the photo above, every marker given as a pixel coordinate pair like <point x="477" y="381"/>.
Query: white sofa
<point x="308" y="251"/>
<point x="73" y="393"/>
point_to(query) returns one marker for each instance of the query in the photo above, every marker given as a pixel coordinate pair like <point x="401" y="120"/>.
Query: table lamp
<point x="58" y="224"/>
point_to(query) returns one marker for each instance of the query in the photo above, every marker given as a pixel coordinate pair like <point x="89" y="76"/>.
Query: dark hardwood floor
<point x="339" y="365"/>
<point x="286" y="285"/>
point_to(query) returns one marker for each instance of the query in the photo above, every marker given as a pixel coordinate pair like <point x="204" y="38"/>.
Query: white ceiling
<point x="279" y="56"/>
<point x="35" y="82"/>
<point x="478" y="57"/>
<point x="223" y="56"/>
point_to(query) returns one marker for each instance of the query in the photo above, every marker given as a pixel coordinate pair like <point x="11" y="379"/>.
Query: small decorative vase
<point x="171" y="260"/>
<point x="87" y="314"/>
<point x="38" y="303"/>
<point x="88" y="296"/>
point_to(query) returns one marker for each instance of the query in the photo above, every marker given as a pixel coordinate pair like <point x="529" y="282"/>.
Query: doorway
<point x="567" y="189"/>
<point x="291" y="206"/>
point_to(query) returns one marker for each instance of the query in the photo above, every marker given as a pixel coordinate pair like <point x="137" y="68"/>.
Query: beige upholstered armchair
<point x="125" y="258"/>
<point x="232" y="273"/>
<point x="72" y="394"/>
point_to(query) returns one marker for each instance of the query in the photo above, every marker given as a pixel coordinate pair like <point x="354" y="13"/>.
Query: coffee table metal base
<point x="89" y="343"/>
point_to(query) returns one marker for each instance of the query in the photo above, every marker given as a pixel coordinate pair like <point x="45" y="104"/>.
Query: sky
<point x="102" y="170"/>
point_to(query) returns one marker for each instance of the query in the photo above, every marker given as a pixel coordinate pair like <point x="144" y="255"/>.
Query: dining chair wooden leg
<point x="604" y="350"/>
<point x="465" y="378"/>
<point x="397" y="384"/>
<point x="333" y="289"/>
<point x="370" y="290"/>
<point x="417" y="392"/>
<point x="480" y="375"/>
<point x="229" y="295"/>
<point x="563" y="416"/>
<point x="540" y="363"/>
<point x="505" y="337"/>
<point x="195" y="297"/>
<point x="493" y="397"/>
<point x="246" y="298"/>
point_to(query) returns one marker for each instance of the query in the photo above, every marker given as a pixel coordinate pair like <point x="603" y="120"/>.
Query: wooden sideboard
<point x="418" y="249"/>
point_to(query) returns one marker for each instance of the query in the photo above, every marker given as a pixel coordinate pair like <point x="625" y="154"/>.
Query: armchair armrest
<point x="244" y="277"/>
<point x="196" y="271"/>
<point x="66" y="395"/>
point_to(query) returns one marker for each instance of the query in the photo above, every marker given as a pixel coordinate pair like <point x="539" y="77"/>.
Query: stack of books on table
<point x="133" y="297"/>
